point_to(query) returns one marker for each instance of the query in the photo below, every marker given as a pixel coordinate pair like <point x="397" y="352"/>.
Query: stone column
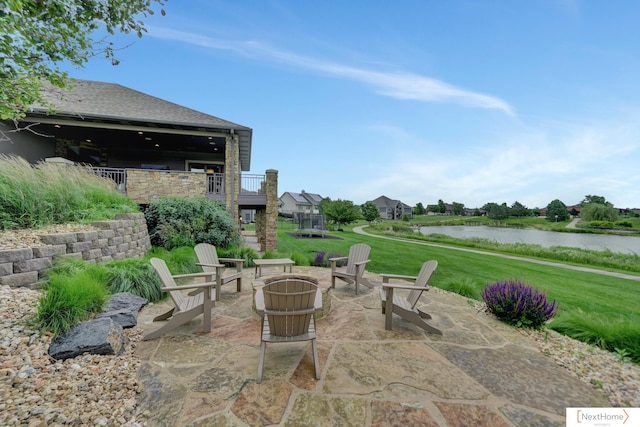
<point x="270" y="241"/>
<point x="232" y="175"/>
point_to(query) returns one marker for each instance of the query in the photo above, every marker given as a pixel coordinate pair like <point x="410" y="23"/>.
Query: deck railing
<point x="119" y="176"/>
<point x="250" y="183"/>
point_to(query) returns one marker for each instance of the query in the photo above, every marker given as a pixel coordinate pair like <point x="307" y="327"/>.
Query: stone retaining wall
<point x="125" y="237"/>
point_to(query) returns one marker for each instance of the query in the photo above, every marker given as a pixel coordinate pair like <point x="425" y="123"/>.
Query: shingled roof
<point x="113" y="103"/>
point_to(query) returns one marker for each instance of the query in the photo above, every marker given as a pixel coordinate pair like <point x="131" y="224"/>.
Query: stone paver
<point x="479" y="372"/>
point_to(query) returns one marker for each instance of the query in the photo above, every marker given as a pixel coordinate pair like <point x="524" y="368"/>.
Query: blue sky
<point x="465" y="101"/>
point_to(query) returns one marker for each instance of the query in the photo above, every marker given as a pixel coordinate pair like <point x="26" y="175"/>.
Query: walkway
<point x="480" y="372"/>
<point x="360" y="230"/>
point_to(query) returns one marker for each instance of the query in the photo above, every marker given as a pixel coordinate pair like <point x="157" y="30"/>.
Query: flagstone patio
<point x="479" y="372"/>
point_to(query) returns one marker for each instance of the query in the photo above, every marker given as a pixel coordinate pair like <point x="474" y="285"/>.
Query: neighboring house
<point x="304" y="202"/>
<point x="150" y="148"/>
<point x="392" y="209"/>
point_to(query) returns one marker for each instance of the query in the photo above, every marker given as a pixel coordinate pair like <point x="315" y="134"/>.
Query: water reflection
<point x="596" y="242"/>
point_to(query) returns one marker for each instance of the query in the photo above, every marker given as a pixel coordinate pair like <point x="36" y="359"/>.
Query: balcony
<point x="142" y="185"/>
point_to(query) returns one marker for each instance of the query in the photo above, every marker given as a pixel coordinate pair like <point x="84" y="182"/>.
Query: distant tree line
<point x="593" y="208"/>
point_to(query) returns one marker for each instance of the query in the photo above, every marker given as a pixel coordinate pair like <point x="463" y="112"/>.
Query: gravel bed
<point x="25" y="238"/>
<point x="38" y="390"/>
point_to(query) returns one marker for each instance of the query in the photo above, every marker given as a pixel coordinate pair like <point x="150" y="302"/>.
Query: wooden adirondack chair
<point x="186" y="307"/>
<point x="406" y="307"/>
<point x="356" y="263"/>
<point x="288" y="304"/>
<point x="210" y="263"/>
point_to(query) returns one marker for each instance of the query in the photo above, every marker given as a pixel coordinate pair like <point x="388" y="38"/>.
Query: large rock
<point x="102" y="335"/>
<point x="97" y="336"/>
<point x="123" y="309"/>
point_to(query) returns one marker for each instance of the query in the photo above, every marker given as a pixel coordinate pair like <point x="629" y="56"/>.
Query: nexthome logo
<point x="602" y="417"/>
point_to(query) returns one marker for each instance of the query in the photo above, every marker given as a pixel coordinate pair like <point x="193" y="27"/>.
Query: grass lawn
<point x="605" y="299"/>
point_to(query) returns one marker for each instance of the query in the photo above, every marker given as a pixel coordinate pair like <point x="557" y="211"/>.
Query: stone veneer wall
<point x="125" y="237"/>
<point x="145" y="185"/>
<point x="267" y="219"/>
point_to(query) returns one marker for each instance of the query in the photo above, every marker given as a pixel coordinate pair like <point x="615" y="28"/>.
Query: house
<point x="150" y="147"/>
<point x="392" y="209"/>
<point x="290" y="203"/>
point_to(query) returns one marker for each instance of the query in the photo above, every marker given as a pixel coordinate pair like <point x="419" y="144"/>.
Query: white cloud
<point x="403" y="86"/>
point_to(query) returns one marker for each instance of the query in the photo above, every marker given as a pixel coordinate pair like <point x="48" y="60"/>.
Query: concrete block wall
<point x="125" y="237"/>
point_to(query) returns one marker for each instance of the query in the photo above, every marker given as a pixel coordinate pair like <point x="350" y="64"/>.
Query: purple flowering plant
<point x="318" y="261"/>
<point x="518" y="304"/>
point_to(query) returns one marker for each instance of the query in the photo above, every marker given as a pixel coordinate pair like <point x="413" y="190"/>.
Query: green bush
<point x="601" y="224"/>
<point x="300" y="259"/>
<point x="624" y="223"/>
<point x="70" y="299"/>
<point x="398" y="228"/>
<point x="464" y="286"/>
<point x="246" y="253"/>
<point x="179" y="221"/>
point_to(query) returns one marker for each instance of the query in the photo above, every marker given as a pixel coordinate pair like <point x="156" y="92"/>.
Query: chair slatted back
<point x="167" y="280"/>
<point x="207" y="254"/>
<point x="289" y="305"/>
<point x="357" y="253"/>
<point x="427" y="270"/>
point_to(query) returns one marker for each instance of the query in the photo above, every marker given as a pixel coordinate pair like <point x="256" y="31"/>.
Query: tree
<point x="557" y="211"/>
<point x="458" y="208"/>
<point x="341" y="211"/>
<point x="599" y="212"/>
<point x="496" y="211"/>
<point x="594" y="199"/>
<point x="442" y="208"/>
<point x="419" y="209"/>
<point x="519" y="210"/>
<point x="37" y="36"/>
<point x="370" y="212"/>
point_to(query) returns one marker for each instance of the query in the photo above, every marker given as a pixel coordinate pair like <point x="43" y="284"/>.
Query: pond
<point x="596" y="242"/>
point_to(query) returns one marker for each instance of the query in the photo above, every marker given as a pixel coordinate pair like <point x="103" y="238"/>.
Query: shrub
<point x="70" y="299"/>
<point x="624" y="223"/>
<point x="246" y="253"/>
<point x="136" y="276"/>
<point x="50" y="193"/>
<point x="180" y="221"/>
<point x="518" y="304"/>
<point x="398" y="228"/>
<point x="601" y="224"/>
<point x="615" y="336"/>
<point x="300" y="259"/>
<point x="464" y="286"/>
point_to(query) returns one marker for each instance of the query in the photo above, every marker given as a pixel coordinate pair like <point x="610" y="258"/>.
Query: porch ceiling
<point x="115" y="116"/>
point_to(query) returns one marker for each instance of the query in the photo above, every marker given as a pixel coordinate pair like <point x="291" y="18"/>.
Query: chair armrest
<point x="231" y="259"/>
<point x="259" y="298"/>
<point x="386" y="277"/>
<point x="339" y="258"/>
<point x="210" y="265"/>
<point x="184" y="287"/>
<point x="239" y="262"/>
<point x="184" y="276"/>
<point x="410" y="287"/>
<point x="361" y="262"/>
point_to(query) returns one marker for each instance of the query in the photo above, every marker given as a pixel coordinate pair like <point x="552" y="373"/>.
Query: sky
<point x="417" y="100"/>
